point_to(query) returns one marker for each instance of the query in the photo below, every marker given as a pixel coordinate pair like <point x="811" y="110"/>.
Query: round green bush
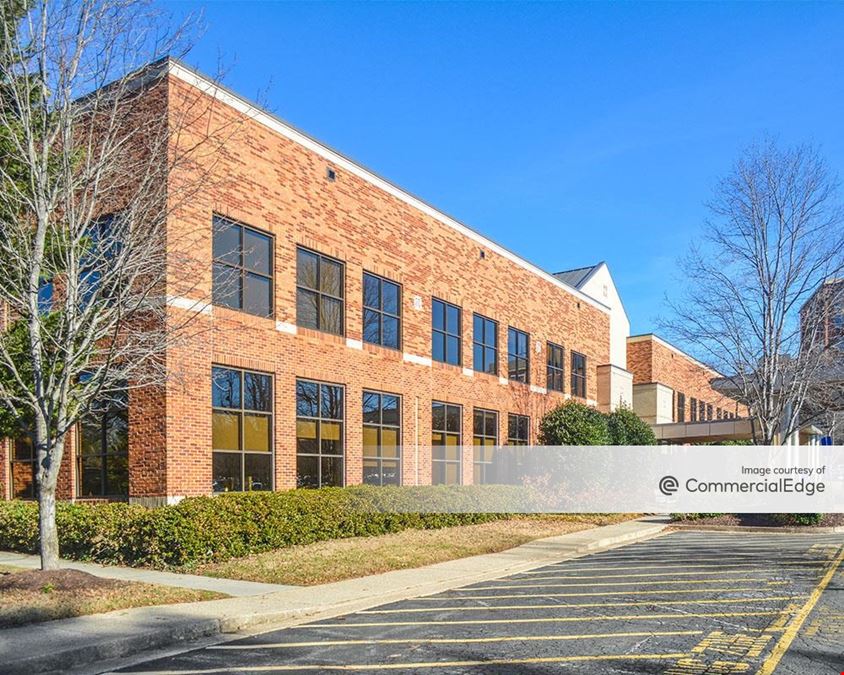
<point x="627" y="428"/>
<point x="574" y="423"/>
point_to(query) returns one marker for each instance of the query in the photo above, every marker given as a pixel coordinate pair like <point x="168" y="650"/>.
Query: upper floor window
<point x="381" y="438"/>
<point x="718" y="413"/>
<point x="518" y="359"/>
<point x="578" y="375"/>
<point x="484" y="345"/>
<point x="681" y="407"/>
<point x="319" y="434"/>
<point x="701" y="411"/>
<point x="381" y="311"/>
<point x="693" y="410"/>
<point x="555" y="367"/>
<point x="445" y="332"/>
<point x="319" y="292"/>
<point x="484" y="441"/>
<point x="446" y="441"/>
<point x="241" y="430"/>
<point x="709" y="411"/>
<point x="836" y="337"/>
<point x="243" y="268"/>
<point x="518" y="429"/>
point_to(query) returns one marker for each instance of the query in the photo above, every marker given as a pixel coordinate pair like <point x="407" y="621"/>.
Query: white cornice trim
<point x="418" y="360"/>
<point x="284" y="327"/>
<point x="240" y="104"/>
<point x="189" y="304"/>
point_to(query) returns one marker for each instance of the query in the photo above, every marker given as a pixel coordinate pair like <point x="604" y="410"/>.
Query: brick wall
<point x="652" y="361"/>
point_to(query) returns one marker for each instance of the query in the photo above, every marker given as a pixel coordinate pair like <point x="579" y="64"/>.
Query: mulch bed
<point x="759" y="520"/>
<point x="57" y="580"/>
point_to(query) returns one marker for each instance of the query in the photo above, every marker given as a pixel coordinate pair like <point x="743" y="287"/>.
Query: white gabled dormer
<point x="615" y="383"/>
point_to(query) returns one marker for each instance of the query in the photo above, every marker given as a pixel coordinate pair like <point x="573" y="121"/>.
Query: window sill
<point x="229" y="313"/>
<point x="382" y="349"/>
<point x="320" y="334"/>
<point x="445" y="365"/>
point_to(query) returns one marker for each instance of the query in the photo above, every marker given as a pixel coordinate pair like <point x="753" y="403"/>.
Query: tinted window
<point x="242" y="274"/>
<point x="319" y="292"/>
<point x="445" y="332"/>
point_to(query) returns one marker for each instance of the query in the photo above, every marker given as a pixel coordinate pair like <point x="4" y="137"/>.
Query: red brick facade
<point x="277" y="185"/>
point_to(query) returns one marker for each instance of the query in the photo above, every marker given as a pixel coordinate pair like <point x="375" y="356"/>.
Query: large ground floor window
<point x="381" y="438"/>
<point x="484" y="439"/>
<point x="242" y="430"/>
<point x="518" y="429"/>
<point x="319" y="434"/>
<point x="23" y="468"/>
<point x="446" y="440"/>
<point x="104" y="449"/>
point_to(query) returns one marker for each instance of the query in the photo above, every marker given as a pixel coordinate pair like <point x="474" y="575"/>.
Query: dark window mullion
<point x="242" y="439"/>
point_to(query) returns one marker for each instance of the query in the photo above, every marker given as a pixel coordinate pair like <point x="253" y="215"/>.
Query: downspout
<point x="416" y="437"/>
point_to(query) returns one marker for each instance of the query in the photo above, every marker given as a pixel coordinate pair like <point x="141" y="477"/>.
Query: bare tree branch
<point x="775" y="236"/>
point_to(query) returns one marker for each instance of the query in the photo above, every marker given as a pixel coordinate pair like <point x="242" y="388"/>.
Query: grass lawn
<point x="27" y="596"/>
<point x="339" y="559"/>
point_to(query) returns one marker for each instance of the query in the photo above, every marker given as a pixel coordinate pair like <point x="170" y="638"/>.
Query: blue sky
<point x="570" y="133"/>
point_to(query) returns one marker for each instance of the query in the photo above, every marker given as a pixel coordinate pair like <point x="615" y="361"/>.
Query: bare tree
<point x="775" y="235"/>
<point x="89" y="146"/>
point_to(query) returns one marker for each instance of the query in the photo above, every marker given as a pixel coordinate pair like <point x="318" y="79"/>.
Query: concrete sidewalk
<point x="231" y="587"/>
<point x="89" y="640"/>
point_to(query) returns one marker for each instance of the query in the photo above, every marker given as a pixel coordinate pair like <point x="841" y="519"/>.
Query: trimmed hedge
<point x="796" y="519"/>
<point x="210" y="529"/>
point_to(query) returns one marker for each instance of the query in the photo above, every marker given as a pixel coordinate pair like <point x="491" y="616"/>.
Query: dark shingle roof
<point x="575" y="277"/>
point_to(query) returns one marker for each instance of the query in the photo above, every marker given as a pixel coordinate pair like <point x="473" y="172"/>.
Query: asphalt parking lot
<point x="685" y="603"/>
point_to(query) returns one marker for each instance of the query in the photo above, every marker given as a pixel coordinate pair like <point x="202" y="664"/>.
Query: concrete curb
<point x="837" y="529"/>
<point x="59" y="646"/>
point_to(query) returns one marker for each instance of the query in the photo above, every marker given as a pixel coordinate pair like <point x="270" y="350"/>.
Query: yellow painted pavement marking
<point x="429" y="664"/>
<point x="552" y="619"/>
<point x="678" y="565"/>
<point x="793" y="628"/>
<point x="439" y="641"/>
<point x="701" y="573"/>
<point x="671" y="591"/>
<point x="711" y="556"/>
<point x="605" y="583"/>
<point x="638" y="603"/>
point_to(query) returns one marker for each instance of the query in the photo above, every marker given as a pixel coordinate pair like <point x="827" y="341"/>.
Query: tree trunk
<point x="48" y="478"/>
<point x="47" y="526"/>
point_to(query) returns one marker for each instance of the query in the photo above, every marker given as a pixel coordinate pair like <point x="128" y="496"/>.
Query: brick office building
<point x="366" y="335"/>
<point x="674" y="393"/>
